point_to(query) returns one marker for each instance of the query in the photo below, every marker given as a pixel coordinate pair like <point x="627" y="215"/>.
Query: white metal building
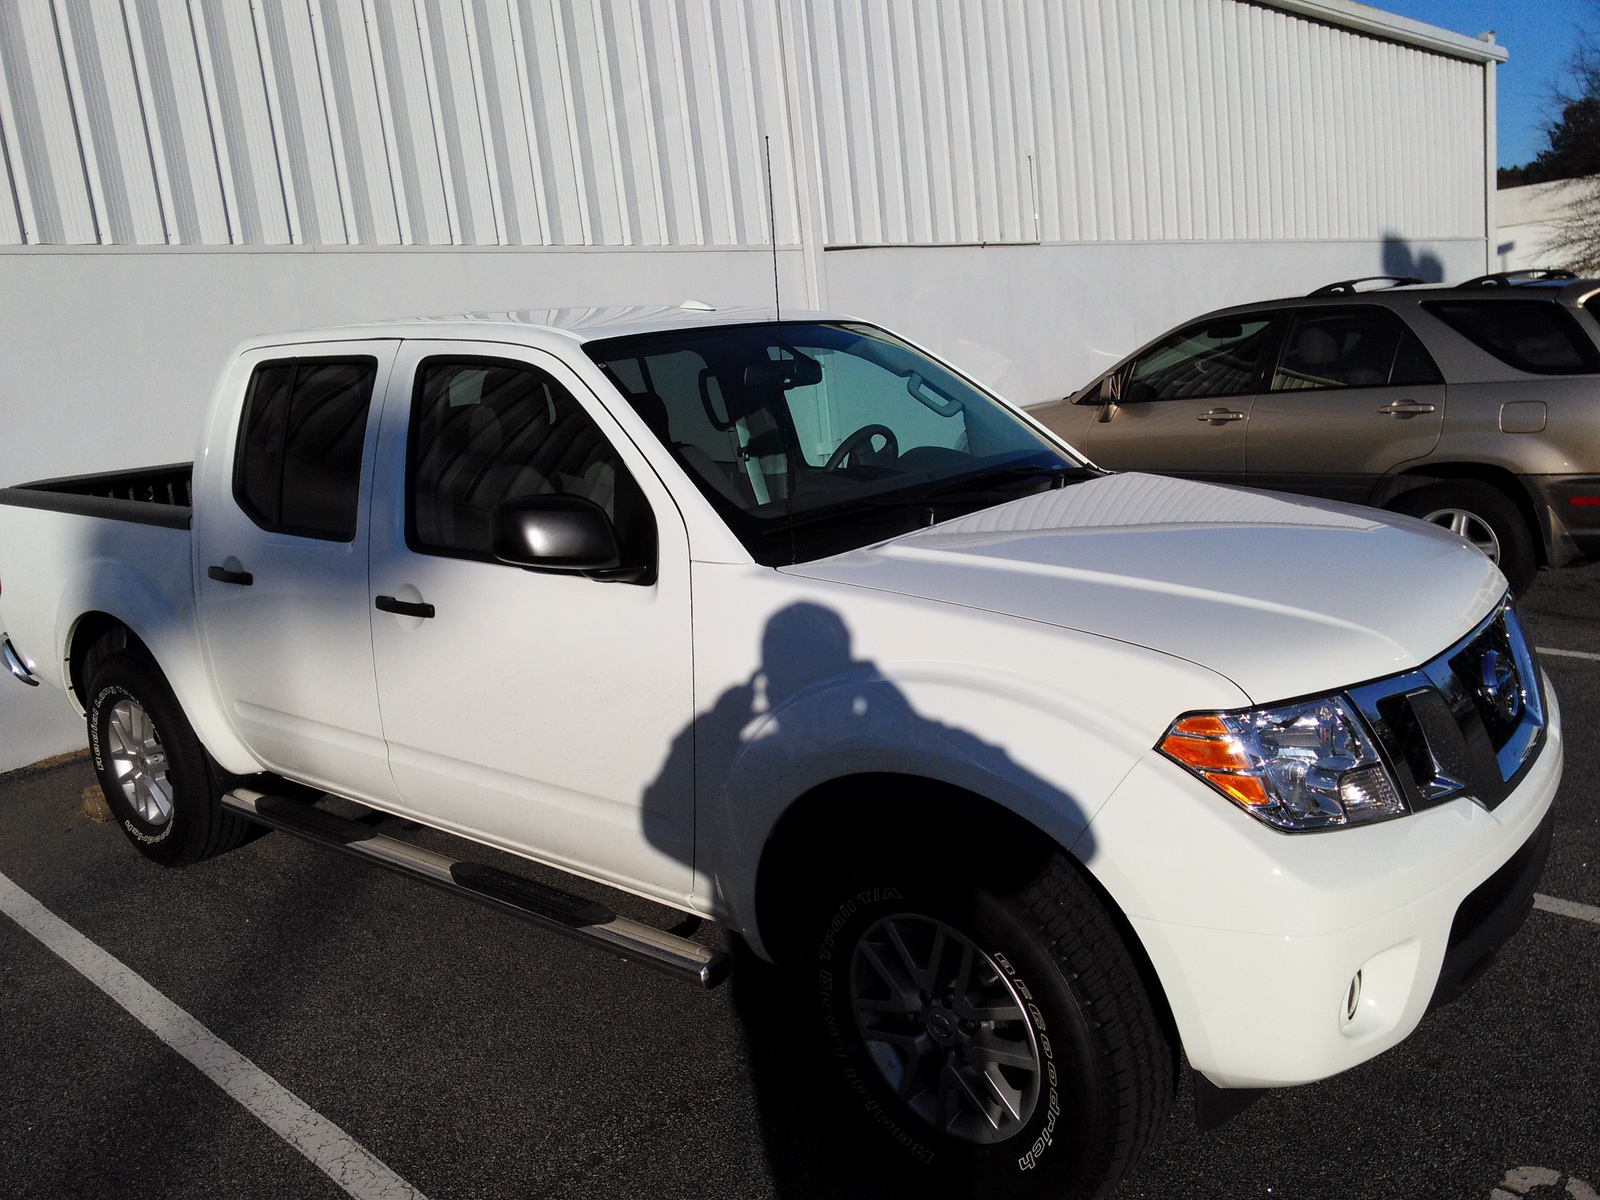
<point x="1030" y="187"/>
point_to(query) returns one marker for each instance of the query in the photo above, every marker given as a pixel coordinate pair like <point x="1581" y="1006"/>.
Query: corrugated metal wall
<point x="640" y="122"/>
<point x="390" y="122"/>
<point x="1133" y="120"/>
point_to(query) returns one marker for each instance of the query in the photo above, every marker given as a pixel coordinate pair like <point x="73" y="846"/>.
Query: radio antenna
<point x="772" y="233"/>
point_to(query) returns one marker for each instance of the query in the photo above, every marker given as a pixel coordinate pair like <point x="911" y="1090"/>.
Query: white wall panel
<point x="641" y="122"/>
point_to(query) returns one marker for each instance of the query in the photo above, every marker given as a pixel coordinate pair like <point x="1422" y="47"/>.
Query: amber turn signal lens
<point x="1213" y="753"/>
<point x="1205" y="745"/>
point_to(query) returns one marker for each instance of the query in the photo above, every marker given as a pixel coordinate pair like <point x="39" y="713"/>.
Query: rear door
<point x="1353" y="396"/>
<point x="550" y="713"/>
<point x="281" y="532"/>
<point x="1186" y="402"/>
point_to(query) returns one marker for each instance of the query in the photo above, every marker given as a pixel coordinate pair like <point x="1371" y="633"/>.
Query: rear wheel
<point x="999" y="1036"/>
<point x="1483" y="515"/>
<point x="157" y="778"/>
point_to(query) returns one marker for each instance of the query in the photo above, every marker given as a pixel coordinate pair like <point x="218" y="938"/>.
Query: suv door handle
<point x="403" y="608"/>
<point x="1405" y="408"/>
<point x="223" y="575"/>
<point x="1220" y="416"/>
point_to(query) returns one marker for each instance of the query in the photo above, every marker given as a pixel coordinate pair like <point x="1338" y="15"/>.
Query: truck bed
<point x="145" y="496"/>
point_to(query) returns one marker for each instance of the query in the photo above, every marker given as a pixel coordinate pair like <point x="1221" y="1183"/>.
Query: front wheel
<point x="1001" y="1037"/>
<point x="156" y="776"/>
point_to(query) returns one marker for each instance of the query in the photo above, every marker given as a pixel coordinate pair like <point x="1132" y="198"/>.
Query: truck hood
<point x="1283" y="595"/>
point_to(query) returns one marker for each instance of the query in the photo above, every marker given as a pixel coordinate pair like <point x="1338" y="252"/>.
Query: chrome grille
<point x="1470" y="722"/>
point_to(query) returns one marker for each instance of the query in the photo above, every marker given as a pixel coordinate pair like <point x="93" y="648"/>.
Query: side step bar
<point x="547" y="907"/>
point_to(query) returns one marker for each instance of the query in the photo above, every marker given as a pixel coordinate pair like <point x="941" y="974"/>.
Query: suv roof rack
<point x="1518" y="278"/>
<point x="1346" y="287"/>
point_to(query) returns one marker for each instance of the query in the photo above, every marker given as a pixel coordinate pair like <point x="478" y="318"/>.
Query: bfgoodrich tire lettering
<point x="1103" y="1067"/>
<point x="157" y="778"/>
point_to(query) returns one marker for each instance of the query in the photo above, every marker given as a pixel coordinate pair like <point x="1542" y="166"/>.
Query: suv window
<point x="298" y="464"/>
<point x="1351" y="348"/>
<point x="1536" y="336"/>
<point x="1219" y="358"/>
<point x="484" y="431"/>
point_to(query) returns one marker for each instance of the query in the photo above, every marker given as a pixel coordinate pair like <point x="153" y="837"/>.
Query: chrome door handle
<point x="1220" y="416"/>
<point x="1405" y="408"/>
<point x="403" y="608"/>
<point x="223" y="575"/>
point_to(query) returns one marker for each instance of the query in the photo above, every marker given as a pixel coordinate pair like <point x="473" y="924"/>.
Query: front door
<point x="1354" y="394"/>
<point x="544" y="712"/>
<point x="1186" y="403"/>
<point x="281" y="532"/>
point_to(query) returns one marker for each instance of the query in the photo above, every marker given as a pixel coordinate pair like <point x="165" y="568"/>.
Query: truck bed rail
<point x="148" y="496"/>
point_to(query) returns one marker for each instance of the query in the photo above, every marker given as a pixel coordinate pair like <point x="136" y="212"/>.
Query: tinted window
<point x="1350" y="348"/>
<point x="1413" y="364"/>
<point x="1593" y="305"/>
<point x="485" y="431"/>
<point x="1536" y="336"/>
<point x="298" y="467"/>
<point x="1220" y="358"/>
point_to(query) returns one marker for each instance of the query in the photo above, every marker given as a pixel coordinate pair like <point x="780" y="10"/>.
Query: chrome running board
<point x="547" y="907"/>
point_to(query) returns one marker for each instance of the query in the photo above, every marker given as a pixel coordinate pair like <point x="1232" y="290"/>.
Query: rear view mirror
<point x="1225" y="332"/>
<point x="1106" y="391"/>
<point x="555" y="533"/>
<point x="795" y="372"/>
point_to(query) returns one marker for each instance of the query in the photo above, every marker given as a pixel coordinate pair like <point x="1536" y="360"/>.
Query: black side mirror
<point x="555" y="533"/>
<point x="1106" y="391"/>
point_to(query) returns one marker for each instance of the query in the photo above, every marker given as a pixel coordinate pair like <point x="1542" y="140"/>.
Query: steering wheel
<point x="862" y="438"/>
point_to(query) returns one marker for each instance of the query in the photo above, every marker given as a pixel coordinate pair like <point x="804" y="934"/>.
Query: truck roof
<point x="542" y="326"/>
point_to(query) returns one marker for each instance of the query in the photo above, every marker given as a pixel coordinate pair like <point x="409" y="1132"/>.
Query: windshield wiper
<point x="985" y="481"/>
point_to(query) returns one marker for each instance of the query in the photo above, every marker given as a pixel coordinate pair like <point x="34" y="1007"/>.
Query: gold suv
<point x="1474" y="406"/>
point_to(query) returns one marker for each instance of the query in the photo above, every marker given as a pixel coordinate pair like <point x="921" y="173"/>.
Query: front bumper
<point x="1257" y="936"/>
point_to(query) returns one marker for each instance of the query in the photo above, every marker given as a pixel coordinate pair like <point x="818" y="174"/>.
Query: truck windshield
<point x="811" y="439"/>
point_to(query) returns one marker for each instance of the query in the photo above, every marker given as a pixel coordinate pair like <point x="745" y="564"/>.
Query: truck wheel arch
<point x="864" y="808"/>
<point x="96" y="635"/>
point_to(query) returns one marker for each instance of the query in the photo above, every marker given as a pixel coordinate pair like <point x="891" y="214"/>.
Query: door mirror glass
<point x="555" y="533"/>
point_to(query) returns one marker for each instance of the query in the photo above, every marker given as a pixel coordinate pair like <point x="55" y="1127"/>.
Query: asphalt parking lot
<point x="474" y="1056"/>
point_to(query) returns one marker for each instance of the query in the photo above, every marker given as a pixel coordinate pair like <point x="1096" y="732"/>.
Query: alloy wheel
<point x="945" y="1028"/>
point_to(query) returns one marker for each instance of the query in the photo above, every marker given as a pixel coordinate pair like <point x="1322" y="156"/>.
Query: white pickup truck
<point x="1037" y="775"/>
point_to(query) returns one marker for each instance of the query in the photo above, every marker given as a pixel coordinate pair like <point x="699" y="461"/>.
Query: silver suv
<point x="1475" y="406"/>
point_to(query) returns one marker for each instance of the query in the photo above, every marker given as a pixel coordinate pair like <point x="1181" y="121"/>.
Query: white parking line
<point x="1568" y="908"/>
<point x="331" y="1150"/>
<point x="1568" y="653"/>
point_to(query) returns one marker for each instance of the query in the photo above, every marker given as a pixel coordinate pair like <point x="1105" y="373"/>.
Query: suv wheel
<point x="1486" y="517"/>
<point x="1001" y="1037"/>
<point x="157" y="778"/>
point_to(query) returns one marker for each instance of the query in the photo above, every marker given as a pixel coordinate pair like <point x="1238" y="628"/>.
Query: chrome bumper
<point x="14" y="663"/>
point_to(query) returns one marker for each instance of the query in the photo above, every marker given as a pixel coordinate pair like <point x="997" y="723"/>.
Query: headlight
<point x="1310" y="765"/>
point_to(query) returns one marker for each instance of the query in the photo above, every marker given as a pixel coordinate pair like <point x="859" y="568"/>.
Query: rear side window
<point x="1537" y="336"/>
<point x="298" y="465"/>
<point x="484" y="431"/>
<point x="1220" y="358"/>
<point x="1360" y="347"/>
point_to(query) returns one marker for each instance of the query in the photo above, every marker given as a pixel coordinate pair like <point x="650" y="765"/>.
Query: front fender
<point x="1049" y="757"/>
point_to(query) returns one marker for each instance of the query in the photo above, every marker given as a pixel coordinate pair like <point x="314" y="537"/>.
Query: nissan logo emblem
<point x="1500" y="685"/>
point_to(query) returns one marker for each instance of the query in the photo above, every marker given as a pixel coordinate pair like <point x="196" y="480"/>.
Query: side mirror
<point x="1107" y="390"/>
<point x="555" y="533"/>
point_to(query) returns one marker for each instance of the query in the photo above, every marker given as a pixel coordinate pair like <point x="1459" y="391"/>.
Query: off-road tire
<point x="1519" y="561"/>
<point x="1108" y="1078"/>
<point x="198" y="827"/>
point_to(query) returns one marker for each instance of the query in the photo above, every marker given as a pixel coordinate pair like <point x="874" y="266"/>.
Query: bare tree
<point x="1575" y="240"/>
